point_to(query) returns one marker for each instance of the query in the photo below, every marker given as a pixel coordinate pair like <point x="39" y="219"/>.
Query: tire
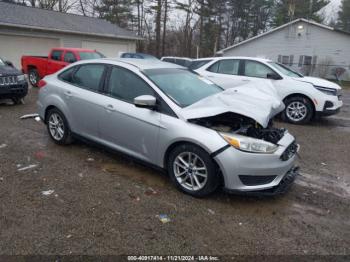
<point x="202" y="186"/>
<point x="18" y="100"/>
<point x="33" y="76"/>
<point x="299" y="110"/>
<point x="58" y="128"/>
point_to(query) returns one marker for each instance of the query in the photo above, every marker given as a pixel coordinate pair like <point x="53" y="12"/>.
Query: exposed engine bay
<point x="242" y="125"/>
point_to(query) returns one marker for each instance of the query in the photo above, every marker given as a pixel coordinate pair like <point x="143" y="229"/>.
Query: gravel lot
<point x="103" y="203"/>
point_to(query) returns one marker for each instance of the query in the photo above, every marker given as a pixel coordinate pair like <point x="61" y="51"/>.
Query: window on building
<point x="286" y="59"/>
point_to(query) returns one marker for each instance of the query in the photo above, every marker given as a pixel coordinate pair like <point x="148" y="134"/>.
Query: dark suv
<point x="13" y="84"/>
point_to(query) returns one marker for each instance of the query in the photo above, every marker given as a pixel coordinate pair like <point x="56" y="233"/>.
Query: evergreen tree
<point x="118" y="12"/>
<point x="344" y="16"/>
<point x="287" y="10"/>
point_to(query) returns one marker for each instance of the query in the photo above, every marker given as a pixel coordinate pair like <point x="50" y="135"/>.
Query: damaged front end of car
<point x="232" y="123"/>
<point x="259" y="158"/>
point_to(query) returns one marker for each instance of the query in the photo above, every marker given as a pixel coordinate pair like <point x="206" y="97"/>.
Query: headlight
<point x="326" y="90"/>
<point x="21" y="78"/>
<point x="249" y="144"/>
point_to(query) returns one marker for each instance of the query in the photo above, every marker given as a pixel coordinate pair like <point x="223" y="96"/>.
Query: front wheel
<point x="58" y="128"/>
<point x="192" y="170"/>
<point x="298" y="110"/>
<point x="18" y="101"/>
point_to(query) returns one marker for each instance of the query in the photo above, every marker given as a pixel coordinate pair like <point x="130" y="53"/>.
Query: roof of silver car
<point x="143" y="64"/>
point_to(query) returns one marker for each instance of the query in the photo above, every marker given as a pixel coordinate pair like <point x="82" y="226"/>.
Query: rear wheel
<point x="58" y="128"/>
<point x="192" y="170"/>
<point x="33" y="76"/>
<point x="298" y="110"/>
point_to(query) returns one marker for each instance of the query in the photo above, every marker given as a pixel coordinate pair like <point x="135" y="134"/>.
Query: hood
<point x="318" y="82"/>
<point x="249" y="102"/>
<point x="9" y="71"/>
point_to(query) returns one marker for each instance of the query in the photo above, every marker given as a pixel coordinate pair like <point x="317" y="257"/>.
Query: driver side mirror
<point x="9" y="63"/>
<point x="273" y="76"/>
<point x="145" y="101"/>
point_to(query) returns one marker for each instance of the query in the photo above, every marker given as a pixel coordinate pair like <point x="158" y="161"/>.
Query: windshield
<point x="90" y="55"/>
<point x="2" y="63"/>
<point x="285" y="70"/>
<point x="197" y="64"/>
<point x="182" y="86"/>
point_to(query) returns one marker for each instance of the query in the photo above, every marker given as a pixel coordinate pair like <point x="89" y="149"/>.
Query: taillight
<point x="42" y="83"/>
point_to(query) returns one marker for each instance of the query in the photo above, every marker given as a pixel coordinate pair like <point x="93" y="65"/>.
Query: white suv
<point x="304" y="97"/>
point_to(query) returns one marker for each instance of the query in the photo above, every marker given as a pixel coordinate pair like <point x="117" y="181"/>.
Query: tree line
<point x="194" y="28"/>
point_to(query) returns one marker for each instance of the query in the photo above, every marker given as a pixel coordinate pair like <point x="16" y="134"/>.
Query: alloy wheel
<point x="296" y="111"/>
<point x="190" y="171"/>
<point x="56" y="126"/>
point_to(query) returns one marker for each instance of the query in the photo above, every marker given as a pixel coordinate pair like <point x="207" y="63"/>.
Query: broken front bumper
<point x="280" y="189"/>
<point x="252" y="172"/>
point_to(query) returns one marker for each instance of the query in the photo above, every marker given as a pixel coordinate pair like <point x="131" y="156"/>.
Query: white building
<point x="33" y="31"/>
<point x="308" y="47"/>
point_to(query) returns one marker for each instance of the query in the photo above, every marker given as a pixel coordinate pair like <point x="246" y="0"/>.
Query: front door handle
<point x="110" y="108"/>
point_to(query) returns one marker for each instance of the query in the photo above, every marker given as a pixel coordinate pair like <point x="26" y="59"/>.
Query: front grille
<point x="8" y="80"/>
<point x="256" y="180"/>
<point x="289" y="152"/>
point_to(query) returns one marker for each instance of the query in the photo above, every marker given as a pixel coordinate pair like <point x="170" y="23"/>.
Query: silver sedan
<point x="203" y="136"/>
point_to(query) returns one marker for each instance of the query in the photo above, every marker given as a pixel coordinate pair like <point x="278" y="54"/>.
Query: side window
<point x="256" y="69"/>
<point x="125" y="85"/>
<point x="180" y="62"/>
<point x="214" y="67"/>
<point x="169" y="60"/>
<point x="69" y="57"/>
<point x="89" y="76"/>
<point x="56" y="55"/>
<point x="229" y="67"/>
<point x="67" y="75"/>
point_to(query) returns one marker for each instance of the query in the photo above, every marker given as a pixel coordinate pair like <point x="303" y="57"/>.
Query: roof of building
<point x="281" y="27"/>
<point x="20" y="16"/>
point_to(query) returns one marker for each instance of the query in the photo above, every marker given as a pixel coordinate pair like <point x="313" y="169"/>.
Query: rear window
<point x="169" y="60"/>
<point x="56" y="55"/>
<point x="67" y="74"/>
<point x="90" y="55"/>
<point x="89" y="76"/>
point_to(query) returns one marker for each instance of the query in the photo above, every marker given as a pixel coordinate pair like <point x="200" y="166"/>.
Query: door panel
<point x="55" y="62"/>
<point x="131" y="129"/>
<point x="86" y="109"/>
<point x="127" y="127"/>
<point x="85" y="103"/>
<point x="225" y="73"/>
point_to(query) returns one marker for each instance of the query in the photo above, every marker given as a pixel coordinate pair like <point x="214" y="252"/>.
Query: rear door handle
<point x="245" y="80"/>
<point x="110" y="108"/>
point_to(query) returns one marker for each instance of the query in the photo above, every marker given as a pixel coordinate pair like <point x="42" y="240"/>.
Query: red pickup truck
<point x="39" y="66"/>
